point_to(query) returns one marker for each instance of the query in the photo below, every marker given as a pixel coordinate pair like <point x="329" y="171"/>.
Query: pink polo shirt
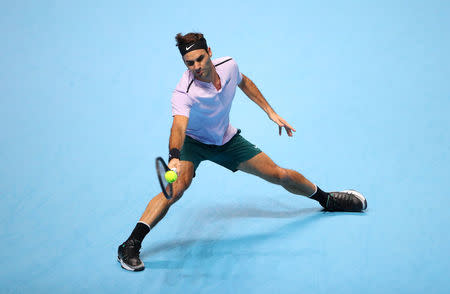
<point x="208" y="109"/>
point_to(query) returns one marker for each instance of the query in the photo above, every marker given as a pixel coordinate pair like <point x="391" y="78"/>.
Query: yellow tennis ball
<point x="171" y="176"/>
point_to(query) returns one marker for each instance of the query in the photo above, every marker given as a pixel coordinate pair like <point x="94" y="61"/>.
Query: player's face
<point x="199" y="63"/>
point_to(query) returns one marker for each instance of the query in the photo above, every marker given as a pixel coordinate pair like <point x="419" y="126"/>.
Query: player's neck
<point x="216" y="80"/>
<point x="212" y="78"/>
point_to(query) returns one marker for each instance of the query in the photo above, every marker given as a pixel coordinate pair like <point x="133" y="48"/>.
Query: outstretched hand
<point x="281" y="123"/>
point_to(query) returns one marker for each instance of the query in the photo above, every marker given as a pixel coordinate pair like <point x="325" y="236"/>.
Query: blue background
<point x="85" y="108"/>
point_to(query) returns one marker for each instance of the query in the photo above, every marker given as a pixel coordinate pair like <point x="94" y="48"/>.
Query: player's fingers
<point x="285" y="124"/>
<point x="288" y="131"/>
<point x="289" y="126"/>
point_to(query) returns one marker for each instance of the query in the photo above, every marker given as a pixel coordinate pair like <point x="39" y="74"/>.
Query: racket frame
<point x="168" y="194"/>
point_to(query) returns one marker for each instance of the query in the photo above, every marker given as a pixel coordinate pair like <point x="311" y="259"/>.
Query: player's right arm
<point x="177" y="135"/>
<point x="181" y="108"/>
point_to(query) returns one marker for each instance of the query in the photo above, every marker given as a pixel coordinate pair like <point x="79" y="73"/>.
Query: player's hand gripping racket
<point x="166" y="177"/>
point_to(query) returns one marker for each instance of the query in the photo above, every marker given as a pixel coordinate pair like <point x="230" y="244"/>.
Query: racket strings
<point x="161" y="170"/>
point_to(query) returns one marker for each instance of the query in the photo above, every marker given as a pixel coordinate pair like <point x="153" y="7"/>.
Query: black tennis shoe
<point x="348" y="200"/>
<point x="128" y="255"/>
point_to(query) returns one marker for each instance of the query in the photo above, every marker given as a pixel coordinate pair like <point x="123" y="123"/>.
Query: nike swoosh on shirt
<point x="187" y="48"/>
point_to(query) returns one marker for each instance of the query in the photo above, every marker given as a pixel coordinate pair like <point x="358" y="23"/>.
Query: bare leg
<point x="159" y="205"/>
<point x="128" y="252"/>
<point x="262" y="166"/>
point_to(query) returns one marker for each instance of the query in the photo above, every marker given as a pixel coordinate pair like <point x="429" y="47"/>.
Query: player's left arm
<point x="250" y="89"/>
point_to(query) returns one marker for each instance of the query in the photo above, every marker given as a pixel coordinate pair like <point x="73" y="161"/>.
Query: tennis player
<point x="201" y="130"/>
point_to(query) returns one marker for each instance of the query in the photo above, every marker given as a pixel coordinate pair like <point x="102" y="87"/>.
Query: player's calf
<point x="296" y="183"/>
<point x="348" y="200"/>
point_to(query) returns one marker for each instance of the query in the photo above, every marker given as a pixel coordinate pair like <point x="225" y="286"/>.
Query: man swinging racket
<point x="201" y="130"/>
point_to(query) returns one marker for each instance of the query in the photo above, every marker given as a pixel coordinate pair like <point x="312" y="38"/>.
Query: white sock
<point x="144" y="224"/>
<point x="315" y="191"/>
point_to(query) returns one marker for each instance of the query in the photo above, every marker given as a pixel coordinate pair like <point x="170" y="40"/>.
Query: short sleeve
<point x="238" y="73"/>
<point x="181" y="103"/>
<point x="239" y="79"/>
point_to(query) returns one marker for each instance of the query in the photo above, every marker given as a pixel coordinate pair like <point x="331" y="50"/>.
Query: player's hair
<point x="188" y="38"/>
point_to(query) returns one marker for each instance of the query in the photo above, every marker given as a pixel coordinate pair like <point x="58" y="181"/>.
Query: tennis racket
<point x="161" y="169"/>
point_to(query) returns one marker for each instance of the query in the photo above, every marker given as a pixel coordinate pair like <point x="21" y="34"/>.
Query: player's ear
<point x="209" y="51"/>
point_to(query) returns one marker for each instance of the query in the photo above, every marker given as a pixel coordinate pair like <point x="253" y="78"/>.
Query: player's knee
<point x="284" y="178"/>
<point x="180" y="186"/>
<point x="279" y="175"/>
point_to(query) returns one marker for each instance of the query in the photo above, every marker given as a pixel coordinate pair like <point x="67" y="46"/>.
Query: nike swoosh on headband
<point x="187" y="48"/>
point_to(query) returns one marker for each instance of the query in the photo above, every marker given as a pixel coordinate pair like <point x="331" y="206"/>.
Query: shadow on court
<point x="208" y="249"/>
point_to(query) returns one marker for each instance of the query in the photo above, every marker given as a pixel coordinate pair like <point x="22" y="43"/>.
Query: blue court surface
<point x="85" y="109"/>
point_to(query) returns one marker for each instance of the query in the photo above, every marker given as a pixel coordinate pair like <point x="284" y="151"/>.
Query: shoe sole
<point x="359" y="196"/>
<point x="139" y="268"/>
